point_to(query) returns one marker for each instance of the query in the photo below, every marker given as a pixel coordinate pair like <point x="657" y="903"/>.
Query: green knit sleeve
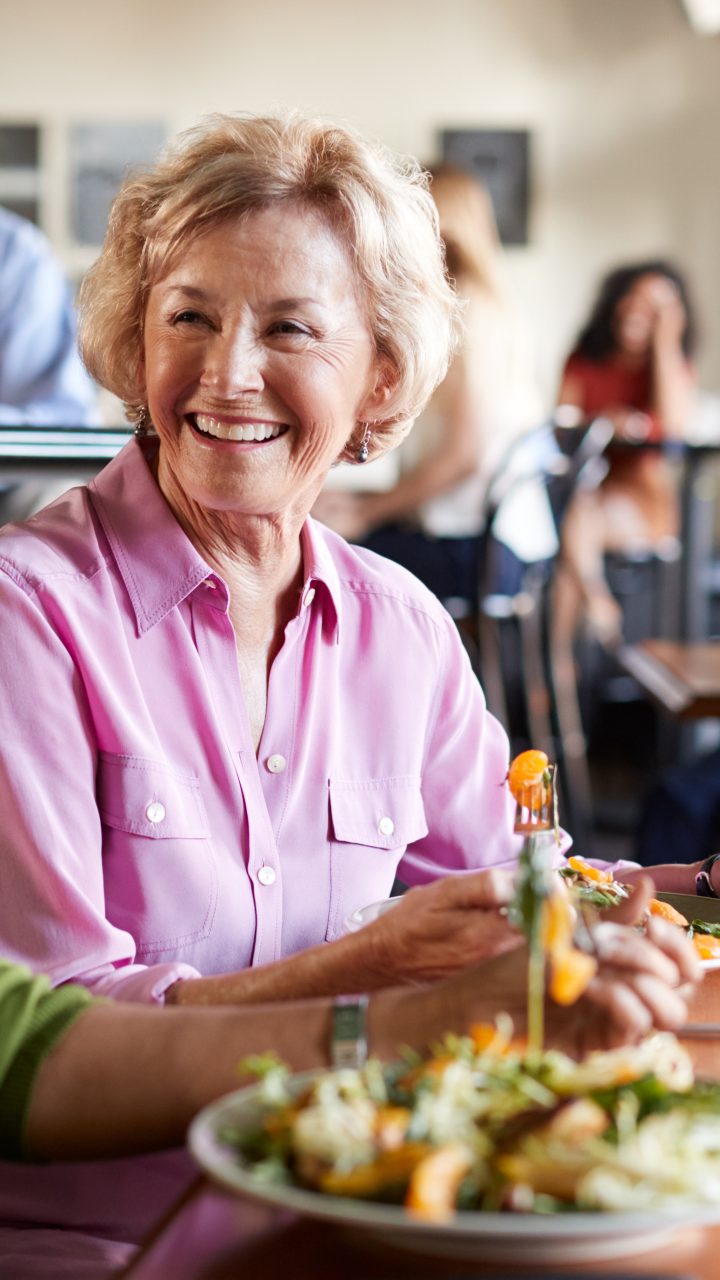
<point x="33" y="1017"/>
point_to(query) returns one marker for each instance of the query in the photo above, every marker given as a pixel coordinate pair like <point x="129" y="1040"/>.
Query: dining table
<point x="211" y="1234"/>
<point x="682" y="678"/>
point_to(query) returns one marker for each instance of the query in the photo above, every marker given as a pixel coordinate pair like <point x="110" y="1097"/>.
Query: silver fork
<point x="535" y="819"/>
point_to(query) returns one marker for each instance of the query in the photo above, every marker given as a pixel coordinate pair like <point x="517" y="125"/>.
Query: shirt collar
<point x="321" y="569"/>
<point x="157" y="561"/>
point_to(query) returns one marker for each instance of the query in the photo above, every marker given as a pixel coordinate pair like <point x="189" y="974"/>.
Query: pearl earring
<point x="364" y="447"/>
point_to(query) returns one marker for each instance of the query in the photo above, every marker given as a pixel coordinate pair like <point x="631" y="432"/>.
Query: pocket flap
<point x="150" y="799"/>
<point x="384" y="813"/>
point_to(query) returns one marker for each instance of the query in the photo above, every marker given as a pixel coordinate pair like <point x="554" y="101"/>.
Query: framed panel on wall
<point x="500" y="160"/>
<point x="100" y="155"/>
<point x="20" y="177"/>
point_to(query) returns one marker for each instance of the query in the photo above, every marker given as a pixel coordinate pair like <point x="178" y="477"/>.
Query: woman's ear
<point x="382" y="391"/>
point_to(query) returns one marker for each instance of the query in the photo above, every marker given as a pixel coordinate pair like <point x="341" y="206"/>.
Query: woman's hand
<point x="642" y="983"/>
<point x="670" y="318"/>
<point x="443" y="927"/>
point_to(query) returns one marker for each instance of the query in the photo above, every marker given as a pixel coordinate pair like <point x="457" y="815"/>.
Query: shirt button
<point x="266" y="875"/>
<point x="155" y="811"/>
<point x="309" y="596"/>
<point x="386" y="826"/>
<point x="276" y="764"/>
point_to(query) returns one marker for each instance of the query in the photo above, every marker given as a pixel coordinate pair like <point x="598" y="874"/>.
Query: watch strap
<point x="348" y="1042"/>
<point x="703" y="881"/>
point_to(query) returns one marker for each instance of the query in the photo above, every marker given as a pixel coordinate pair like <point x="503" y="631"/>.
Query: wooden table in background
<point x="683" y="679"/>
<point x="215" y="1236"/>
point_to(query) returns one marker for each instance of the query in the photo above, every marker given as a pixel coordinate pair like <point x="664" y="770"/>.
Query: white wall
<point x="622" y="97"/>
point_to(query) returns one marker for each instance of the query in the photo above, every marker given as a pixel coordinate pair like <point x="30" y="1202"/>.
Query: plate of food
<point x="481" y="1149"/>
<point x="487" y="1146"/>
<point x="698" y="917"/>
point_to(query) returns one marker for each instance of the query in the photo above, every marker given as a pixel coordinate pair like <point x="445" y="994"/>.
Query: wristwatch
<point x="348" y="1047"/>
<point x="703" y="882"/>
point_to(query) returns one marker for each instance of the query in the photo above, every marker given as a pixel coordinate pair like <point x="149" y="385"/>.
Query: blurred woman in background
<point x="632" y="364"/>
<point x="430" y="519"/>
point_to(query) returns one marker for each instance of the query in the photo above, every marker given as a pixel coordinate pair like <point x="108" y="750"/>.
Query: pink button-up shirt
<point x="143" y="838"/>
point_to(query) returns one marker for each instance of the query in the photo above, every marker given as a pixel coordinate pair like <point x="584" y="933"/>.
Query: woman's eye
<point x="289" y="328"/>
<point x="188" y="317"/>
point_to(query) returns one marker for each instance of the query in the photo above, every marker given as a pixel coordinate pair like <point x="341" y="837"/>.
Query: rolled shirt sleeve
<point x="468" y="807"/>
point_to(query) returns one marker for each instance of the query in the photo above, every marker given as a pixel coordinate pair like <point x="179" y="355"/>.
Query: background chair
<point x="526" y="686"/>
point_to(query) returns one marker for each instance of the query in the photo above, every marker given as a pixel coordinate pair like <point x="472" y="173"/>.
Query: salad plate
<point x="366" y="915"/>
<point x="547" y="1238"/>
<point x="692" y="907"/>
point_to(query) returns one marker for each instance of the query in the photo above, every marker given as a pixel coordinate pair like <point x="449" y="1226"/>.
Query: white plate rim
<point x="571" y="1236"/>
<point x="361" y="916"/>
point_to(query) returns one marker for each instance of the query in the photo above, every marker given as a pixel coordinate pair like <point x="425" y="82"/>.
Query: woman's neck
<point x="258" y="555"/>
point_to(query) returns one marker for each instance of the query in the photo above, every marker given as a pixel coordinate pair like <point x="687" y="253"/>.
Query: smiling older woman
<point x="230" y="729"/>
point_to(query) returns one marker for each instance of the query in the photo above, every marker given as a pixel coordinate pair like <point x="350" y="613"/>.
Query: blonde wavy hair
<point x="231" y="165"/>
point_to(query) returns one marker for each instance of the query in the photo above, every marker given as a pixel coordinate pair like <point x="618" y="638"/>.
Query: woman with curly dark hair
<point x="633" y="363"/>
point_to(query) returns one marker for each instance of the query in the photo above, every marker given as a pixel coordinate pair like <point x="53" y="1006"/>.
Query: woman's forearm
<point x="669" y="877"/>
<point x="334" y="968"/>
<point x="673" y="387"/>
<point x="435" y="931"/>
<point x="127" y="1078"/>
<point x="434" y="476"/>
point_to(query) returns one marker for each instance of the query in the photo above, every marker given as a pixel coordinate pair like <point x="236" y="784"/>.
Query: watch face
<point x="703" y="879"/>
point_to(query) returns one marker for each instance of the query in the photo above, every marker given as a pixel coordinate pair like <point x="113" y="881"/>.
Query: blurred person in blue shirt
<point x="42" y="380"/>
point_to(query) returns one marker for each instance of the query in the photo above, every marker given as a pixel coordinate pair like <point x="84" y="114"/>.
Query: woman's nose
<point x="234" y="364"/>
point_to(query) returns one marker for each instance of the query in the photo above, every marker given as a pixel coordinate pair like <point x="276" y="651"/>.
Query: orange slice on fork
<point x="529" y="780"/>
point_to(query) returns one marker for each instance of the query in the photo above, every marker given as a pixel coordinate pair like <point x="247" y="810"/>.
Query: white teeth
<point x="241" y="431"/>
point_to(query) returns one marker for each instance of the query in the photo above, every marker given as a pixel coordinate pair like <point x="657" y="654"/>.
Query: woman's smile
<point x="235" y="430"/>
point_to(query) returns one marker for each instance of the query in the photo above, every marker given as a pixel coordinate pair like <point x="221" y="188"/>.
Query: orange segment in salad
<point x="485" y="1036"/>
<point x="707" y="947"/>
<point x="434" y="1182"/>
<point x="586" y="869"/>
<point x="666" y="912"/>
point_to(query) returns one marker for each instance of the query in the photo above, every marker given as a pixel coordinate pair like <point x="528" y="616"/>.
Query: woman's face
<point x="636" y="313"/>
<point x="259" y="363"/>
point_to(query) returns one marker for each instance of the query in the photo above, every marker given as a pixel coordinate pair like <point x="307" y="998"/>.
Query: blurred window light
<point x="704" y="15"/>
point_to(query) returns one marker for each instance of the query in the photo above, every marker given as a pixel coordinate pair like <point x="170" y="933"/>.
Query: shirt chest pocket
<point x="159" y="871"/>
<point x="371" y="824"/>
